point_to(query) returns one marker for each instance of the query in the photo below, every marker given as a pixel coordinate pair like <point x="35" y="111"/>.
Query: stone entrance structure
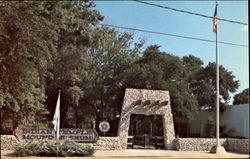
<point x="146" y="102"/>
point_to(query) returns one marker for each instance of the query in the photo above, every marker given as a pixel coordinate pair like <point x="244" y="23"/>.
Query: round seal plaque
<point x="104" y="126"/>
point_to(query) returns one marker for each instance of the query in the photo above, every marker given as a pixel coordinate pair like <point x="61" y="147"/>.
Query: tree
<point x="163" y="71"/>
<point x="24" y="55"/>
<point x="192" y="65"/>
<point x="242" y="97"/>
<point x="203" y="84"/>
<point x="114" y="54"/>
<point x="69" y="71"/>
<point x="36" y="38"/>
<point x="160" y="70"/>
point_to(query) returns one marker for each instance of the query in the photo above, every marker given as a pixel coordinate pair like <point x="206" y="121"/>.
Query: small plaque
<point x="104" y="126"/>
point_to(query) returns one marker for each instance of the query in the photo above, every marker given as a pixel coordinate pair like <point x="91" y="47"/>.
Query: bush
<point x="51" y="148"/>
<point x="71" y="148"/>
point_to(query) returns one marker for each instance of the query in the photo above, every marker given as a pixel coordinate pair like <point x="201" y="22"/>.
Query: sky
<point x="137" y="15"/>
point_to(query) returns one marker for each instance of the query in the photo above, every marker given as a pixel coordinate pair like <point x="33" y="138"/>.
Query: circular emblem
<point x="104" y="126"/>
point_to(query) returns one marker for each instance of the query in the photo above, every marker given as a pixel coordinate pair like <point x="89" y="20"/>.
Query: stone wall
<point x="146" y="102"/>
<point x="205" y="144"/>
<point x="106" y="143"/>
<point x="196" y="144"/>
<point x="8" y="142"/>
<point x="238" y="145"/>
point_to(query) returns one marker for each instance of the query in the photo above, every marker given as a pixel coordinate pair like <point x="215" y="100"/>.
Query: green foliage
<point x="242" y="97"/>
<point x="210" y="127"/>
<point x="191" y="65"/>
<point x="33" y="148"/>
<point x="104" y="87"/>
<point x="203" y="85"/>
<point x="41" y="50"/>
<point x="71" y="148"/>
<point x="51" y="148"/>
<point x="69" y="69"/>
<point x="160" y="70"/>
<point x="226" y="132"/>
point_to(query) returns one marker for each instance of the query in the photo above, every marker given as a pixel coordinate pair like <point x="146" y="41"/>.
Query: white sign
<point x="104" y="126"/>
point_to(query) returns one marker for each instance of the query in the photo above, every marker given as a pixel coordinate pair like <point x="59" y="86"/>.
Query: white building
<point x="234" y="117"/>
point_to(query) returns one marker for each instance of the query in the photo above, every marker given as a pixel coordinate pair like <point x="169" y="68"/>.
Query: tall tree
<point x="191" y="65"/>
<point x="77" y="32"/>
<point x="242" y="97"/>
<point x="203" y="85"/>
<point x="36" y="38"/>
<point x="114" y="54"/>
<point x="25" y="51"/>
<point x="160" y="70"/>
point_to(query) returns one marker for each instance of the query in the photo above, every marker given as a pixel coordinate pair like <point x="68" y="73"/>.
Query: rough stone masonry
<point x="146" y="102"/>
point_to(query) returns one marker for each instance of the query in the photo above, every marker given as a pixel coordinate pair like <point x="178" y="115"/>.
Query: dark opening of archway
<point x="146" y="132"/>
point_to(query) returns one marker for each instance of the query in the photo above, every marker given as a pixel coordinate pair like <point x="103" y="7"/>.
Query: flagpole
<point x="217" y="85"/>
<point x="218" y="149"/>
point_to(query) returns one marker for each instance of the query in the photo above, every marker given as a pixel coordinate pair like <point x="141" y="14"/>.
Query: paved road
<point x="138" y="154"/>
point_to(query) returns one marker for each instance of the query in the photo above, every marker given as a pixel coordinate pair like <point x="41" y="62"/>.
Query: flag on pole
<point x="215" y="19"/>
<point x="56" y="118"/>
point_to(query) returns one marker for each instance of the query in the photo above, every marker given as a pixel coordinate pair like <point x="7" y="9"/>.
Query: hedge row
<point x="51" y="148"/>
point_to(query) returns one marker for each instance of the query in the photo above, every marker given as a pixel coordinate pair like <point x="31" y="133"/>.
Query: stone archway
<point x="146" y="102"/>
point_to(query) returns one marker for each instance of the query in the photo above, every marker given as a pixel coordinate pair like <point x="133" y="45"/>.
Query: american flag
<point x="215" y="19"/>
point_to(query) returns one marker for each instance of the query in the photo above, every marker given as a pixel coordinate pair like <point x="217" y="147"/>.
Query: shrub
<point x="51" y="148"/>
<point x="71" y="148"/>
